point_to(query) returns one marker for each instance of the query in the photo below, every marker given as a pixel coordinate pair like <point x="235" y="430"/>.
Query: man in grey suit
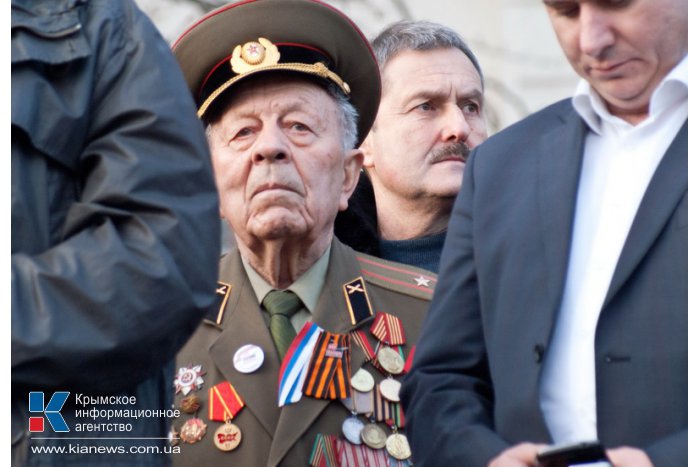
<point x="561" y="314"/>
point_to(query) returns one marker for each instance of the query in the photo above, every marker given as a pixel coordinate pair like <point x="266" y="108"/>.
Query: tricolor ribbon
<point x="296" y="364"/>
<point x="328" y="376"/>
<point x="388" y="329"/>
<point x="224" y="402"/>
<point x="324" y="452"/>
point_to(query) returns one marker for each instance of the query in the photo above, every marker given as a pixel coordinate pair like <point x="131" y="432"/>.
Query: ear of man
<point x="367" y="148"/>
<point x="351" y="169"/>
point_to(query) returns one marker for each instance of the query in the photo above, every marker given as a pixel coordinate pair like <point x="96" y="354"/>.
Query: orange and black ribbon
<point x="388" y="329"/>
<point x="328" y="376"/>
<point x="224" y="402"/>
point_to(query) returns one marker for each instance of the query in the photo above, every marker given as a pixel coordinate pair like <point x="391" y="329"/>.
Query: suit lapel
<point x="331" y="315"/>
<point x="558" y="173"/>
<point x="666" y="188"/>
<point x="243" y="324"/>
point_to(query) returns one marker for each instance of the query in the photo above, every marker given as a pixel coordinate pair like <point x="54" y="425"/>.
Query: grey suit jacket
<point x="474" y="388"/>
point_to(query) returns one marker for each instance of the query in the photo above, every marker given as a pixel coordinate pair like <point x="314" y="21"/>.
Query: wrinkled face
<point x="623" y="48"/>
<point x="278" y="160"/>
<point x="429" y="117"/>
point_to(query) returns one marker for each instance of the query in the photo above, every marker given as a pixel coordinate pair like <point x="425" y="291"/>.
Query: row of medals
<point x="228" y="436"/>
<point x="371" y="434"/>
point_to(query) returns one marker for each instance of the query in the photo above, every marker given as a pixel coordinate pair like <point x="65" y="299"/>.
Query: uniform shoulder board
<point x="215" y="314"/>
<point x="402" y="278"/>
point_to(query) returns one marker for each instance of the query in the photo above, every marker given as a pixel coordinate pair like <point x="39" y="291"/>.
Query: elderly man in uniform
<point x="302" y="359"/>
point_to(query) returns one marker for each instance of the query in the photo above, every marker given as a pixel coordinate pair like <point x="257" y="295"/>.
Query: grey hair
<point x="419" y="35"/>
<point x="348" y="116"/>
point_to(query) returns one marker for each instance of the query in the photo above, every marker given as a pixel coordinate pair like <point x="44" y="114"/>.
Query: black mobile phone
<point x="564" y="455"/>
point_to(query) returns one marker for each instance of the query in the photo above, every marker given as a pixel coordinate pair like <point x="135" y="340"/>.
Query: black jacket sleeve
<point x="107" y="287"/>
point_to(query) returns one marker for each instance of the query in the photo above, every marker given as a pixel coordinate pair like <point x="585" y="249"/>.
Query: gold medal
<point x="390" y="360"/>
<point x="389" y="388"/>
<point x="193" y="430"/>
<point x="190" y="404"/>
<point x="227" y="437"/>
<point x="362" y="380"/>
<point x="373" y="436"/>
<point x="397" y="446"/>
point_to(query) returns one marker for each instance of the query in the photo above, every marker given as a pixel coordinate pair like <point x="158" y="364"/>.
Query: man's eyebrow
<point x="555" y="3"/>
<point x="475" y="94"/>
<point x="429" y="94"/>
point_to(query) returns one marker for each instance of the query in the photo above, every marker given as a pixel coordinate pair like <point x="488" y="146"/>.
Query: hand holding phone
<point x="565" y="455"/>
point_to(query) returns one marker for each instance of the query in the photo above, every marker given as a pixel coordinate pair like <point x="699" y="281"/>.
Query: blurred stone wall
<point x="523" y="65"/>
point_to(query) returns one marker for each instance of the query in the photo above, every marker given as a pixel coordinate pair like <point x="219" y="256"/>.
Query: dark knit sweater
<point x="357" y="228"/>
<point x="423" y="252"/>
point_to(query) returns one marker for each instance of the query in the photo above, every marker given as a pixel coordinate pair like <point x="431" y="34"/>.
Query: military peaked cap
<point x="251" y="37"/>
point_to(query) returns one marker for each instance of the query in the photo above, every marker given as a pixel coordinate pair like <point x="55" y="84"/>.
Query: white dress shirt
<point x="619" y="160"/>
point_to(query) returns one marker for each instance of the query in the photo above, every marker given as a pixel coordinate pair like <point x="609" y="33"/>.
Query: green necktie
<point x="282" y="305"/>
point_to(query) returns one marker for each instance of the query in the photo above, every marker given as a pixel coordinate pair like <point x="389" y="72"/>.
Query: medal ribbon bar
<point x="388" y="329"/>
<point x="224" y="402"/>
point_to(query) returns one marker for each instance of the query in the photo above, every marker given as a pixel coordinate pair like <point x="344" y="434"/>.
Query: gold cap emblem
<point x="252" y="55"/>
<point x="263" y="55"/>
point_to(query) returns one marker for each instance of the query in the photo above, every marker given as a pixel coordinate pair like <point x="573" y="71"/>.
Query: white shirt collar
<point x="672" y="89"/>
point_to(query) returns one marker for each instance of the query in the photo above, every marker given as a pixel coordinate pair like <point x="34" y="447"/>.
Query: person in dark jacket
<point x="415" y="153"/>
<point x="561" y="314"/>
<point x="115" y="232"/>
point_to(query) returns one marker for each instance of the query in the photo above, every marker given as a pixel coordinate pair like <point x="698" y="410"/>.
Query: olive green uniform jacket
<point x="273" y="436"/>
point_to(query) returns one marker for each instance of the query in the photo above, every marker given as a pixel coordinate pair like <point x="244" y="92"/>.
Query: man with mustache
<point x="304" y="353"/>
<point x="430" y="117"/>
<point x="562" y="311"/>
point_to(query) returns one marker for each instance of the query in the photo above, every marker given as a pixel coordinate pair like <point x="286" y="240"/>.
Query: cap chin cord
<point x="256" y="57"/>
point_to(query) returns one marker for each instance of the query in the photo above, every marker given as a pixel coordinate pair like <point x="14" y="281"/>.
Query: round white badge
<point x="248" y="358"/>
